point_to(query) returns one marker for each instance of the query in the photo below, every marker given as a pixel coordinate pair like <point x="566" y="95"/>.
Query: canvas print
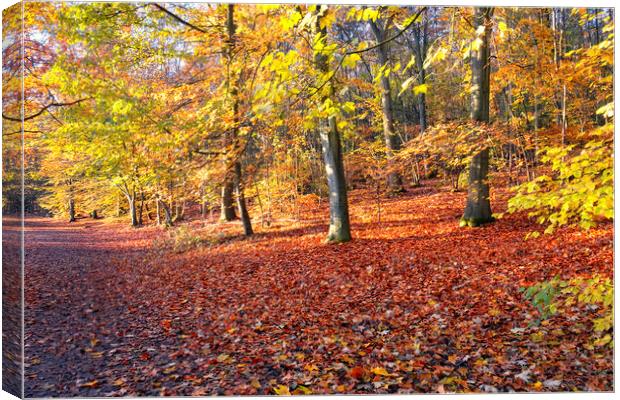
<point x="205" y="199"/>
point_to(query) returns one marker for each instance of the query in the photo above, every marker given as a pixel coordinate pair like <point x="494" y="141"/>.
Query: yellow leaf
<point x="538" y="385"/>
<point x="603" y="341"/>
<point x="494" y="312"/>
<point x="380" y="371"/>
<point x="311" y="368"/>
<point x="537" y="337"/>
<point x="423" y="88"/>
<point x="475" y="45"/>
<point x="348" y="359"/>
<point x="301" y="389"/>
<point x="255" y="384"/>
<point x="91" y="384"/>
<point x="282" y="390"/>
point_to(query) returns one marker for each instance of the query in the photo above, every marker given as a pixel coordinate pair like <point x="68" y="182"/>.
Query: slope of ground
<point x="412" y="304"/>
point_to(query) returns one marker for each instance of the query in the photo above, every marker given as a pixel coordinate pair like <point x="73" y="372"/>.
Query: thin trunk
<point x="241" y="204"/>
<point x="392" y="144"/>
<point x="260" y="205"/>
<point x="204" y="208"/>
<point x="478" y="207"/>
<point x="339" y="226"/>
<point x="563" y="115"/>
<point x="148" y="211"/>
<point x="141" y="209"/>
<point x="536" y="126"/>
<point x="167" y="212"/>
<point x="378" y="197"/>
<point x="228" y="208"/>
<point x="118" y="206"/>
<point x="420" y="48"/>
<point x="71" y="210"/>
<point x="234" y="132"/>
<point x="157" y="201"/>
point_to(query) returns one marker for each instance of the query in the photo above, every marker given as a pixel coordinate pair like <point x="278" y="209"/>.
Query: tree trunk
<point x="204" y="207"/>
<point x="228" y="208"/>
<point x="339" y="226"/>
<point x="243" y="210"/>
<point x="179" y="210"/>
<point x="392" y="144"/>
<point x="420" y="49"/>
<point x="141" y="209"/>
<point x="157" y="201"/>
<point x="119" y="211"/>
<point x="132" y="210"/>
<point x="233" y="91"/>
<point x="71" y="210"/>
<point x="167" y="212"/>
<point x="478" y="207"/>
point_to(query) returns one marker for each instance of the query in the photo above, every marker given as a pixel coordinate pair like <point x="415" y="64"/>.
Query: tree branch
<point x="41" y="111"/>
<point x="179" y="19"/>
<point x="409" y="25"/>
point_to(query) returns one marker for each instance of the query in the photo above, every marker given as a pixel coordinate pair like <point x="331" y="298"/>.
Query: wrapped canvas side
<point x="12" y="200"/>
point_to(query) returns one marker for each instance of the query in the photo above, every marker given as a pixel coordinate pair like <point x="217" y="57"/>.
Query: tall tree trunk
<point x="339" y="226"/>
<point x="228" y="208"/>
<point x="420" y="49"/>
<point x="234" y="95"/>
<point x="392" y="143"/>
<point x="478" y="207"/>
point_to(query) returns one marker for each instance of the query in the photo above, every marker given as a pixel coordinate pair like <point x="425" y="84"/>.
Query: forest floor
<point x="412" y="304"/>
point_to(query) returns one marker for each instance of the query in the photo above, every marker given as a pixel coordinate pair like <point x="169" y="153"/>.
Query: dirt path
<point x="425" y="305"/>
<point x="75" y="298"/>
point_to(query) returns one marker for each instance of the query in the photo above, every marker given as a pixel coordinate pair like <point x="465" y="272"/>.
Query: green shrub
<point x="580" y="191"/>
<point x="559" y="296"/>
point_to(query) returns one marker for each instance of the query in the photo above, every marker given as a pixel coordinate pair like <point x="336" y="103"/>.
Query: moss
<point x="474" y="222"/>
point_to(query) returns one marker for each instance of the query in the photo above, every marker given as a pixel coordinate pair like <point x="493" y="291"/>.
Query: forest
<point x="308" y="199"/>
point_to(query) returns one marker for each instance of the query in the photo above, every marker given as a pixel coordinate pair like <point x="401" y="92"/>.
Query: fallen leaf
<point x="281" y="390"/>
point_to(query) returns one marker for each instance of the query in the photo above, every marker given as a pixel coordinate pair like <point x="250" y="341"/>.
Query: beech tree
<point x="380" y="29"/>
<point x="478" y="207"/>
<point x="339" y="225"/>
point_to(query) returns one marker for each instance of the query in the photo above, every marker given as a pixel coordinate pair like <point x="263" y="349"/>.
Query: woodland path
<point x="413" y="304"/>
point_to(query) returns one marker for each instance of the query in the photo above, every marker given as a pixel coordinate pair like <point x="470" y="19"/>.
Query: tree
<point x="392" y="144"/>
<point x="478" y="207"/>
<point x="234" y="96"/>
<point x="339" y="225"/>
